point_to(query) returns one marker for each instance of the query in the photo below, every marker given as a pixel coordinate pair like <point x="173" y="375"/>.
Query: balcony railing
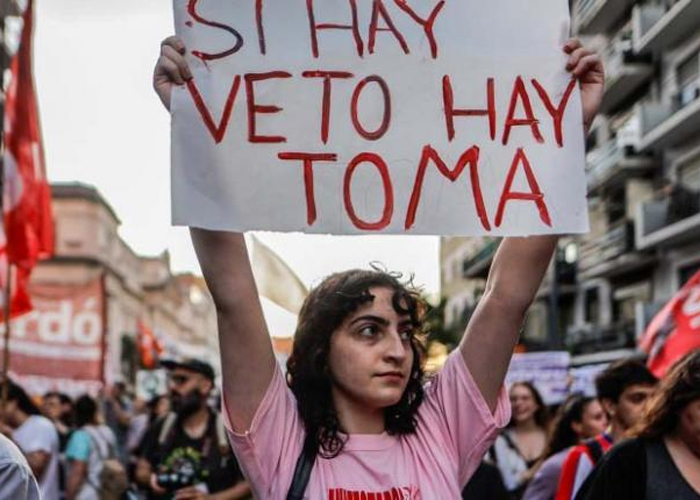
<point x="669" y="124"/>
<point x="658" y="28"/>
<point x="670" y="221"/>
<point x="626" y="71"/>
<point x="593" y="338"/>
<point x="611" y="164"/>
<point x="599" y="16"/>
<point x="617" y="159"/>
<point x="601" y="256"/>
<point x="478" y="265"/>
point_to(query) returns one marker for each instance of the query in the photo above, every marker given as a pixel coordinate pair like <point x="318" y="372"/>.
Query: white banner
<point x="583" y="378"/>
<point x="547" y="371"/>
<point x="378" y="116"/>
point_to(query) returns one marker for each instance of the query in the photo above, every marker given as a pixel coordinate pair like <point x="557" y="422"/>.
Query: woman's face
<point x="370" y="356"/>
<point x="523" y="403"/>
<point x="689" y="426"/>
<point x="594" y="421"/>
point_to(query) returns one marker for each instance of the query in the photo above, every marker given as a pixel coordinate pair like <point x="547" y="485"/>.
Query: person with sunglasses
<point x="185" y="455"/>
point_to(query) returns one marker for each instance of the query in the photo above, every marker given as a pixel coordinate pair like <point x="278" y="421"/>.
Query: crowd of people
<point x="175" y="445"/>
<point x="353" y="416"/>
<point x="603" y="447"/>
<point x="116" y="446"/>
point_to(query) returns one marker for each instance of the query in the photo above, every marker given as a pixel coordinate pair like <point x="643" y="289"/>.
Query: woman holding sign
<point x="353" y="419"/>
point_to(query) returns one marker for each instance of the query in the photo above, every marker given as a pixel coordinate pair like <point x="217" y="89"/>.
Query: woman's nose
<point x="396" y="347"/>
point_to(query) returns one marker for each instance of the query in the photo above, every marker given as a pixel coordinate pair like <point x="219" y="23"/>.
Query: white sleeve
<point x="41" y="437"/>
<point x="584" y="469"/>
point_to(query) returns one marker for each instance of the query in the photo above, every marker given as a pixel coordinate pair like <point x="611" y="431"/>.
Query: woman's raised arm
<point x="491" y="335"/>
<point x="247" y="360"/>
<point x="520" y="263"/>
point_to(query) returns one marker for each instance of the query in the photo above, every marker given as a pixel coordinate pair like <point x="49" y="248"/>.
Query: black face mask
<point x="187" y="404"/>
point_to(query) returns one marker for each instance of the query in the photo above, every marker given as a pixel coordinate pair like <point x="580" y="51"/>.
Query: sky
<point x="104" y="126"/>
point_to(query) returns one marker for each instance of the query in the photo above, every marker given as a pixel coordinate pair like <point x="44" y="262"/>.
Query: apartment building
<point x="643" y="172"/>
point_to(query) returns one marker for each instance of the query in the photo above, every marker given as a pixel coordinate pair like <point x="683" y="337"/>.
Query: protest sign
<point x="583" y="379"/>
<point x="378" y="116"/>
<point x="547" y="371"/>
<point x="151" y="383"/>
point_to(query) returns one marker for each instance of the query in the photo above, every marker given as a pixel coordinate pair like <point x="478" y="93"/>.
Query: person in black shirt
<point x="186" y="455"/>
<point x="663" y="461"/>
<point x="486" y="484"/>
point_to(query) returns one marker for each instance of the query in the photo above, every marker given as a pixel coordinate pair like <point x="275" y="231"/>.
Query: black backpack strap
<point x="302" y="471"/>
<point x="595" y="449"/>
<point x="511" y="444"/>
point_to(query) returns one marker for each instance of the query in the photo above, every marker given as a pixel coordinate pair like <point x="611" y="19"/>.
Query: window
<point x="592" y="306"/>
<point x="688" y="75"/>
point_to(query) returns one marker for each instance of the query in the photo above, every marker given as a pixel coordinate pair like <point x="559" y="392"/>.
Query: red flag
<point x="20" y="301"/>
<point x="28" y="231"/>
<point x="675" y="331"/>
<point x="149" y="346"/>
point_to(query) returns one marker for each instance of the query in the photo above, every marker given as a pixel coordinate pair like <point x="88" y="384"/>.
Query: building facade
<point x="643" y="173"/>
<point x="95" y="296"/>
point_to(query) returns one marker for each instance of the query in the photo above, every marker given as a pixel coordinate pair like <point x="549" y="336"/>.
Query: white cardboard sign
<point x="451" y="117"/>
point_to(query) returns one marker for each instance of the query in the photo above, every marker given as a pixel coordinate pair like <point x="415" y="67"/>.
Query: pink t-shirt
<point x="455" y="428"/>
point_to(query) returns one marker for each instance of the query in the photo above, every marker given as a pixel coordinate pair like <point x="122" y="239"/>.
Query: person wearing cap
<point x="186" y="455"/>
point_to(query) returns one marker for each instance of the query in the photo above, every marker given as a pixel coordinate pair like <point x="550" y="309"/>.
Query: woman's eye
<point x="368" y="331"/>
<point x="406" y="334"/>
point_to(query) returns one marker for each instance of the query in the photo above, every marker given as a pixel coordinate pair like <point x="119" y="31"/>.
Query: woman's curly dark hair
<point x="324" y="310"/>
